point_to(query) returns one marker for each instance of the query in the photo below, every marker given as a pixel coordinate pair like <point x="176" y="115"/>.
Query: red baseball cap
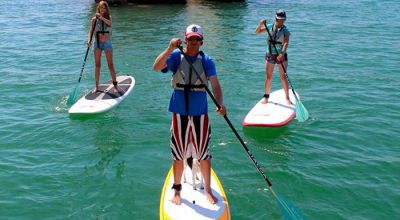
<point x="193" y="30"/>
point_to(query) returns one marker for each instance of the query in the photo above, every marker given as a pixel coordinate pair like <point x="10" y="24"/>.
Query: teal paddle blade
<point x="301" y="112"/>
<point x="72" y="97"/>
<point x="289" y="212"/>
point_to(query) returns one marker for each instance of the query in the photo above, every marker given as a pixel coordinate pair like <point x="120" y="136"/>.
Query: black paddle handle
<point x="87" y="51"/>
<point x="283" y="66"/>
<point x="260" y="170"/>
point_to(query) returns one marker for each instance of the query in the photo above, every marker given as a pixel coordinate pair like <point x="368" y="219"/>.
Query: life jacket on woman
<point x="278" y="39"/>
<point x="101" y="28"/>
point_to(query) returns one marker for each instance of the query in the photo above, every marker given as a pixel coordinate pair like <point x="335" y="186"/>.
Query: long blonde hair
<point x="107" y="14"/>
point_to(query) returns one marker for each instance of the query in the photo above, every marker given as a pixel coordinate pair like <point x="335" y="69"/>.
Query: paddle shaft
<point x="87" y="51"/>
<point x="227" y="120"/>
<point x="283" y="66"/>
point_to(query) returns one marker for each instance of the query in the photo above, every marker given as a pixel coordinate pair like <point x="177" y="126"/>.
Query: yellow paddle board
<point x="194" y="204"/>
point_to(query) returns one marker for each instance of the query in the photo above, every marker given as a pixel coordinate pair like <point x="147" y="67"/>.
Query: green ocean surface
<point x="343" y="163"/>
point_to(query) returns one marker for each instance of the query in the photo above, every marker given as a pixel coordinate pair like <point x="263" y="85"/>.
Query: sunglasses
<point x="195" y="38"/>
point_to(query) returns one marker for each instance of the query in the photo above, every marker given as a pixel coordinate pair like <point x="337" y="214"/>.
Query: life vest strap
<point x="190" y="86"/>
<point x="274" y="42"/>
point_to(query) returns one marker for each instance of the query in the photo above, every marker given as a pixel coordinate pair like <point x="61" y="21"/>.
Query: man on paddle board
<point x="280" y="38"/>
<point x="190" y="127"/>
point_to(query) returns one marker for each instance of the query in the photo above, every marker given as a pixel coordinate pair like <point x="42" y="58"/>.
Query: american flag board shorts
<point x="190" y="136"/>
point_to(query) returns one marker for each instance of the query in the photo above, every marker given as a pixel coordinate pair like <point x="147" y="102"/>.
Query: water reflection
<point x="109" y="139"/>
<point x="265" y="134"/>
<point x="275" y="141"/>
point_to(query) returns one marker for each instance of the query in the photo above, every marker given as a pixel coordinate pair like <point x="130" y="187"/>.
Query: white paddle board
<point x="194" y="204"/>
<point x="275" y="113"/>
<point x="106" y="99"/>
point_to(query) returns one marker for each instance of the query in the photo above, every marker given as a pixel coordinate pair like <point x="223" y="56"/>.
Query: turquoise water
<point x="343" y="163"/>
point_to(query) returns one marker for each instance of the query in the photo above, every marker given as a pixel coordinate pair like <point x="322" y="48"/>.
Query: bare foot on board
<point x="265" y="99"/>
<point x="288" y="101"/>
<point x="211" y="198"/>
<point x="115" y="90"/>
<point x="176" y="199"/>
<point x="96" y="91"/>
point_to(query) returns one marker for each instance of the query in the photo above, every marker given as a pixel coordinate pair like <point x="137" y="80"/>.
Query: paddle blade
<point x="289" y="212"/>
<point x="301" y="112"/>
<point x="72" y="97"/>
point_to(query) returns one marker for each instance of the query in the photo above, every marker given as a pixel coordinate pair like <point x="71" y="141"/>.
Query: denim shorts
<point x="273" y="58"/>
<point x="103" y="45"/>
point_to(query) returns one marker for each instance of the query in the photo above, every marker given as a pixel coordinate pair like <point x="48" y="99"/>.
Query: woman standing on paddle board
<point x="188" y="105"/>
<point x="280" y="37"/>
<point x="102" y="42"/>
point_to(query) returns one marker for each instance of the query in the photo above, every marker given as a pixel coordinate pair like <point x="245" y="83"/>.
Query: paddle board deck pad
<point x="275" y="113"/>
<point x="194" y="204"/>
<point x="104" y="99"/>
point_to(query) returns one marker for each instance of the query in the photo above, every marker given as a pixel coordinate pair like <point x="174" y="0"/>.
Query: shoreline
<point x="126" y="2"/>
